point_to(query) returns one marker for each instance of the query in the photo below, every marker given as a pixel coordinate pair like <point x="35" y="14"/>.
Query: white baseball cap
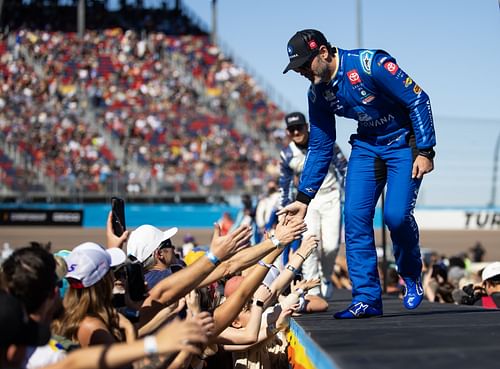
<point x="491" y="270"/>
<point x="89" y="262"/>
<point x="144" y="240"/>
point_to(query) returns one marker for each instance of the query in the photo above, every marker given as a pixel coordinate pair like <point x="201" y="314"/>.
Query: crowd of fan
<point x="42" y="118"/>
<point x="226" y="306"/>
<point x="169" y="102"/>
<point x="463" y="279"/>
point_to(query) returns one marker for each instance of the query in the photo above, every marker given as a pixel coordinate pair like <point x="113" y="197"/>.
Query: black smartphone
<point x="135" y="279"/>
<point x="118" y="216"/>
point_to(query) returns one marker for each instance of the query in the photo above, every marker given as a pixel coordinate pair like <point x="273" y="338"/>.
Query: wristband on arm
<point x="150" y="345"/>
<point x="213" y="259"/>
<point x="303" y="198"/>
<point x="291" y="268"/>
<point x="275" y="241"/>
<point x="266" y="265"/>
<point x="258" y="303"/>
<point x="302" y="256"/>
<point x="427" y="153"/>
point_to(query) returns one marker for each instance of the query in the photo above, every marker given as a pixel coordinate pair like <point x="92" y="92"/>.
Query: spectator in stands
<point x="115" y="69"/>
<point x="155" y="250"/>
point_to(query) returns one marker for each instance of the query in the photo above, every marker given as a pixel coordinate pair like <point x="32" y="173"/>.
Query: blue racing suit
<point x="394" y="122"/>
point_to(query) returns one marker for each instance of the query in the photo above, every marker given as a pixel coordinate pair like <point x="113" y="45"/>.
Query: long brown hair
<point x="94" y="301"/>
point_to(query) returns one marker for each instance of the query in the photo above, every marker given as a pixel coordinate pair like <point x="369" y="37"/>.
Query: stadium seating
<point x="154" y="114"/>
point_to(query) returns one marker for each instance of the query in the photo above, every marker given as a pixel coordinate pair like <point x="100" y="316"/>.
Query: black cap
<point x="303" y="46"/>
<point x="295" y="119"/>
<point x="17" y="327"/>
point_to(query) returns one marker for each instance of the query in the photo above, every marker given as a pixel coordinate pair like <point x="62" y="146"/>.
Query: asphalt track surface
<point x="448" y="243"/>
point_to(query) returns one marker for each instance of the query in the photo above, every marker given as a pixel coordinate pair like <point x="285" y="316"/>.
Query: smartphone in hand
<point x="135" y="279"/>
<point x="118" y="216"/>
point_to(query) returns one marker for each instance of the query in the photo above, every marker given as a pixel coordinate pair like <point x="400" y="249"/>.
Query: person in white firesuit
<point x="323" y="217"/>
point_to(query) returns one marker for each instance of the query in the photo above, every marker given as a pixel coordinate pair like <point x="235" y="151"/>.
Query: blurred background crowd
<point x="140" y="111"/>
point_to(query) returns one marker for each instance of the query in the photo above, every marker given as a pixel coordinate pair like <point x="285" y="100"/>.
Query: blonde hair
<point x="61" y="267"/>
<point x="94" y="301"/>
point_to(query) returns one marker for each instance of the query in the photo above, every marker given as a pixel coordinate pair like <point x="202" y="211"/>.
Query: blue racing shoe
<point x="414" y="293"/>
<point x="358" y="310"/>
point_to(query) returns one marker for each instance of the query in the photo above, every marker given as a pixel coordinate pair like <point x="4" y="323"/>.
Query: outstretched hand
<point x="264" y="294"/>
<point x="288" y="230"/>
<point x="193" y="302"/>
<point x="181" y="336"/>
<point x="205" y="320"/>
<point x="225" y="246"/>
<point x="295" y="210"/>
<point x="308" y="245"/>
<point x="283" y="320"/>
<point x="305" y="284"/>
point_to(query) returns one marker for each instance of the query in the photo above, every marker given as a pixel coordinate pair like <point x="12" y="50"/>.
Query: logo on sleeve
<point x="416" y="89"/>
<point x="408" y="81"/>
<point x="353" y="76"/>
<point x="366" y="61"/>
<point x="391" y="67"/>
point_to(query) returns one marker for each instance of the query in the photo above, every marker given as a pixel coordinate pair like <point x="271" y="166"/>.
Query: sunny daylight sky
<point x="450" y="47"/>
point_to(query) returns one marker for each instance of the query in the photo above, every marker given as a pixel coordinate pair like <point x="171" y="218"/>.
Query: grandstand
<point x="142" y="103"/>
